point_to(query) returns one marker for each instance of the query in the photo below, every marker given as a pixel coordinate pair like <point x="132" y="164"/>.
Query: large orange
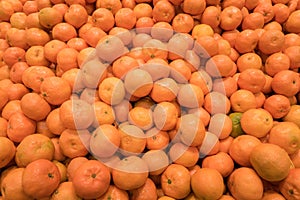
<point x="271" y="162"/>
<point x="289" y="187"/>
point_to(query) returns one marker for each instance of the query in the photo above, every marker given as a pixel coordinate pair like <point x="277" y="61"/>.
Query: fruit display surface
<point x="149" y="99"/>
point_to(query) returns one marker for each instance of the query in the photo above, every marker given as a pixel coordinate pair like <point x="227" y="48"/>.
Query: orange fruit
<point x="276" y="62"/>
<point x="206" y="46"/>
<point x="249" y="60"/>
<point x="133" y="140"/>
<point x="52" y="48"/>
<point x="184" y="155"/>
<point x="180" y="70"/>
<point x="163" y="11"/>
<point x="271" y="162"/>
<point x="219" y="66"/>
<point x="241" y="148"/>
<point x="36" y="36"/>
<point x="103" y="18"/>
<point x="142" y="10"/>
<point x="10" y="108"/>
<point x="291" y="24"/>
<point x="162" y="30"/>
<point x="190" y="96"/>
<point x="272" y="195"/>
<point x="292" y="52"/>
<point x="207" y="183"/>
<point x="216" y="102"/>
<point x="92" y="34"/>
<point x="104" y="113"/>
<point x="242" y="100"/>
<point x="11" y="55"/>
<point x="77" y="43"/>
<point x="183" y="23"/>
<point x="231" y="18"/>
<point x="290" y="185"/>
<point x="291" y="39"/>
<point x="176" y="181"/>
<point x="251" y="79"/>
<point x="192" y="7"/>
<point x="108" y="138"/>
<point x="73" y="165"/>
<point x="19" y="126"/>
<point x="122" y="65"/>
<point x="210" y="144"/>
<point x="286" y="82"/>
<point x="3" y="127"/>
<point x="147" y="191"/>
<point x="286" y="135"/>
<point x="224" y="144"/>
<point x="58" y="155"/>
<point x="156" y="139"/>
<point x="277" y="105"/>
<point x="35" y="56"/>
<point x="293" y="115"/>
<point x="266" y="9"/>
<point x="67" y="59"/>
<point x="16" y="71"/>
<point x="55" y="90"/>
<point x="76" y="15"/>
<point x="245" y="178"/>
<point x="91" y="180"/>
<point x="34" y="147"/>
<point x="254" y="20"/>
<point x="38" y="171"/>
<point x="64" y="190"/>
<point x="221" y="161"/>
<point x="11" y="185"/>
<point x="9" y="151"/>
<point x="121" y="15"/>
<point x="30" y="102"/>
<point x="157" y="161"/>
<point x="202" y="79"/>
<point x="271" y="41"/>
<point x="63" y="31"/>
<point x="111" y="90"/>
<point x="113" y="6"/>
<point x="71" y="114"/>
<point x="211" y="16"/>
<point x="133" y="168"/>
<point x="220" y="125"/>
<point x="256" y="118"/>
<point x="49" y="17"/>
<point x="141" y="117"/>
<point x="191" y="130"/>
<point x="246" y="41"/>
<point x="142" y="84"/>
<point x="115" y="193"/>
<point x="72" y="142"/>
<point x="89" y="77"/>
<point x="165" y="89"/>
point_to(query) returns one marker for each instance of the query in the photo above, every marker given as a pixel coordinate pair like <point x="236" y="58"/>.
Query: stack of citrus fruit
<point x="146" y="100"/>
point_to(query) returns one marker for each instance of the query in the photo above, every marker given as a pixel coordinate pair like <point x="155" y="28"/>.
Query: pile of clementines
<point x="146" y="100"/>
